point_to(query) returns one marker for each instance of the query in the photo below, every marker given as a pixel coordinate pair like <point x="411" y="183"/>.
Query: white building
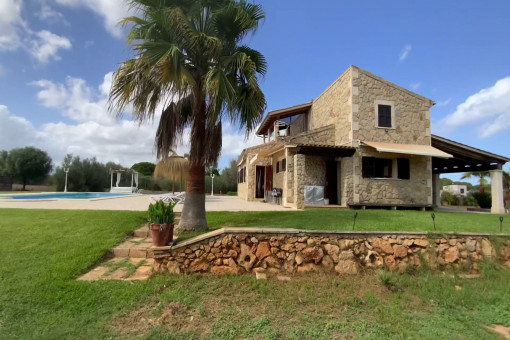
<point x="456" y="189"/>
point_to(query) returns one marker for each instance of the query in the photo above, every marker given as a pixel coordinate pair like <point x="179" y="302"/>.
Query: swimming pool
<point x="64" y="195"/>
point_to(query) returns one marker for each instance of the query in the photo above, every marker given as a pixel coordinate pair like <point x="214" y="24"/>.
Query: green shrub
<point x="161" y="213"/>
<point x="449" y="198"/>
<point x="484" y="199"/>
<point x="232" y="193"/>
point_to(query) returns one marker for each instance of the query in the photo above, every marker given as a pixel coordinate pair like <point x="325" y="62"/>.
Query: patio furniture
<point x="177" y="197"/>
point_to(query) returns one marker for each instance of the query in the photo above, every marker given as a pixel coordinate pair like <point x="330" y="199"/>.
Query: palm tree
<point x="189" y="58"/>
<point x="480" y="174"/>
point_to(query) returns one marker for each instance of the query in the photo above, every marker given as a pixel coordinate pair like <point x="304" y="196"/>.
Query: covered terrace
<point x="468" y="159"/>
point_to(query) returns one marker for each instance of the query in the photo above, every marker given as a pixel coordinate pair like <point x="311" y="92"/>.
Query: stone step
<point x="137" y="246"/>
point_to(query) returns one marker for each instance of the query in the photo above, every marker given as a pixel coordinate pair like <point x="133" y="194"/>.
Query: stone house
<point x="363" y="142"/>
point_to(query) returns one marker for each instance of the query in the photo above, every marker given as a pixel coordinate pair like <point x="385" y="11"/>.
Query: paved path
<point x="138" y="203"/>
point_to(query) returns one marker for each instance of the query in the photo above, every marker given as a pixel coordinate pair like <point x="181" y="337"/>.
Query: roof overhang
<point x="270" y="151"/>
<point x="282" y="113"/>
<point x="408" y="149"/>
<point x="324" y="150"/>
<point x="465" y="158"/>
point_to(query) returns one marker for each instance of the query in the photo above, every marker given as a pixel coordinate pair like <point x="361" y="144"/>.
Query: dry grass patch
<point x="314" y="305"/>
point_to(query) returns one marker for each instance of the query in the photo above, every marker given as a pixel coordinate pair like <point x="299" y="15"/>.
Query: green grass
<point x="372" y="220"/>
<point x="43" y="251"/>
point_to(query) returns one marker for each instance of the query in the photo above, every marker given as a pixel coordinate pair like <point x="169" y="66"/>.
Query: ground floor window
<point x="373" y="167"/>
<point x="241" y="176"/>
<point x="281" y="165"/>
<point x="377" y="167"/>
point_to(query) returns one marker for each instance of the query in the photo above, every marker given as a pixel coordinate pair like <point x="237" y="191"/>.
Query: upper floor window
<point x="384" y="114"/>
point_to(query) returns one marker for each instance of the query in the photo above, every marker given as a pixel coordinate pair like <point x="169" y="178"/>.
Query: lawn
<point x="43" y="251"/>
<point x="375" y="220"/>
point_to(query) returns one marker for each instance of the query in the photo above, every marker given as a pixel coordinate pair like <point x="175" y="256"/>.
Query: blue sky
<point x="56" y="59"/>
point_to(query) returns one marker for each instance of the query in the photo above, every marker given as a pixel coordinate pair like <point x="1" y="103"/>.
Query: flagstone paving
<point x="127" y="269"/>
<point x="130" y="260"/>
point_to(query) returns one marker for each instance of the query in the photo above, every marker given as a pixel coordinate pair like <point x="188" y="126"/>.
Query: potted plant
<point x="161" y="222"/>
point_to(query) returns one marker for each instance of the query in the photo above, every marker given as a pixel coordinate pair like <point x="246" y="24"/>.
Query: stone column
<point x="498" y="203"/>
<point x="299" y="181"/>
<point x="436" y="190"/>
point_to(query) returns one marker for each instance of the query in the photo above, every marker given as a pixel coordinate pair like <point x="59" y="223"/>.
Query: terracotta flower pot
<point x="161" y="234"/>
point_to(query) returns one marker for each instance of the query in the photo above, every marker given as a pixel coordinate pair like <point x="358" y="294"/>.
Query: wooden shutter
<point x="384" y="115"/>
<point x="403" y="167"/>
<point x="368" y="167"/>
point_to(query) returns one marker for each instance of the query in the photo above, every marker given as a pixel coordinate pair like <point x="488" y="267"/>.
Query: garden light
<point x="354" y="222"/>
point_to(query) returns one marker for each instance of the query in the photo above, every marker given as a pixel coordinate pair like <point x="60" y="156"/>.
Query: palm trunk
<point x="193" y="212"/>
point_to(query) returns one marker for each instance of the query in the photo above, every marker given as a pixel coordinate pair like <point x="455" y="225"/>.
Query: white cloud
<point x="76" y="100"/>
<point x="444" y="102"/>
<point x="46" y="45"/>
<point x="405" y="52"/>
<point x="11" y="24"/>
<point x="15" y="33"/>
<point x="489" y="109"/>
<point x="15" y="131"/>
<point x="93" y="131"/>
<point x="112" y="11"/>
<point x="48" y="14"/>
<point x="415" y="86"/>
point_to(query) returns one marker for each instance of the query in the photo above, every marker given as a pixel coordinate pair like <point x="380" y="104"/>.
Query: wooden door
<point x="269" y="178"/>
<point x="330" y="191"/>
<point x="259" y="182"/>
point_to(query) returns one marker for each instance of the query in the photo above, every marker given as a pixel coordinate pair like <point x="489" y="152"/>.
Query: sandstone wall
<point x="278" y="177"/>
<point x="288" y="197"/>
<point x="299" y="181"/>
<point x="416" y="190"/>
<point x="412" y="112"/>
<point x="333" y="106"/>
<point x="315" y="171"/>
<point x="274" y="251"/>
<point x="323" y="135"/>
<point x="346" y="181"/>
<point x="248" y="188"/>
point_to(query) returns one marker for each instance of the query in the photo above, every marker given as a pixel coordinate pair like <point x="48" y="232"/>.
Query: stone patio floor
<point x="138" y="203"/>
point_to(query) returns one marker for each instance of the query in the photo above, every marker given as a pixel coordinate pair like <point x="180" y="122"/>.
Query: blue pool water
<point x="63" y="195"/>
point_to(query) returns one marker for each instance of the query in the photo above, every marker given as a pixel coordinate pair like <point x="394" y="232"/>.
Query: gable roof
<point x="282" y="113"/>
<point x="302" y="108"/>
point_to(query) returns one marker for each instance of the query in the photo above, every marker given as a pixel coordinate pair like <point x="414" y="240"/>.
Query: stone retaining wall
<point x="274" y="251"/>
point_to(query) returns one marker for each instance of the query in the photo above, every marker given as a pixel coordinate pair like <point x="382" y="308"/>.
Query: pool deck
<point x="138" y="203"/>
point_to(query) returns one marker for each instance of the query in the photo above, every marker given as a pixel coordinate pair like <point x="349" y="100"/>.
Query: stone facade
<point x="275" y="251"/>
<point x="411" y="111"/>
<point x="323" y="136"/>
<point x="414" y="191"/>
<point x="333" y="107"/>
<point x="315" y="171"/>
<point x="345" y="115"/>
